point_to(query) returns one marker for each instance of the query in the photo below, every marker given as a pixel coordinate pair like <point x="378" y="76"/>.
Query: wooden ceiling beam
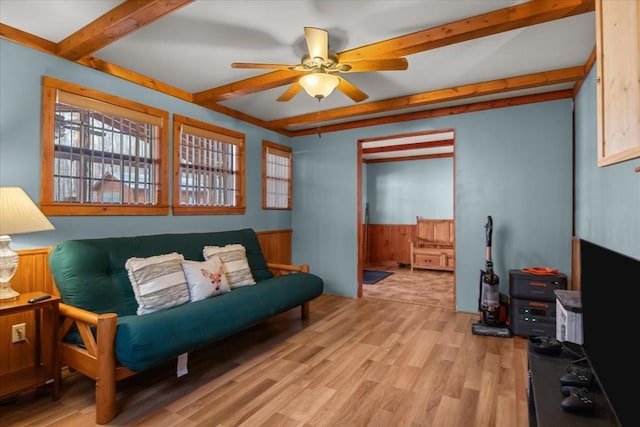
<point x="245" y="87"/>
<point x="26" y="39"/>
<point x="499" y="21"/>
<point x="422" y="133"/>
<point x="122" y="20"/>
<point x="438" y="112"/>
<point x="403" y="158"/>
<point x="509" y="84"/>
<point x="132" y="76"/>
<point x="510" y="18"/>
<point x="408" y="146"/>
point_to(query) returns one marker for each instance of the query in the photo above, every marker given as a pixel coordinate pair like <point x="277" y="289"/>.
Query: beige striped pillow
<point x="158" y="282"/>
<point x="234" y="262"/>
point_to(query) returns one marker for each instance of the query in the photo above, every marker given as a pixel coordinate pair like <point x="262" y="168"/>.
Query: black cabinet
<point x="545" y="397"/>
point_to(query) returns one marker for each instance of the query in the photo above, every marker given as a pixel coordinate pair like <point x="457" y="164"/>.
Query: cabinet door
<point x="618" y="80"/>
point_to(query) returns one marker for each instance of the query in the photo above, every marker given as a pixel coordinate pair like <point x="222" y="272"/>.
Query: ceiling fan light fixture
<point x="319" y="85"/>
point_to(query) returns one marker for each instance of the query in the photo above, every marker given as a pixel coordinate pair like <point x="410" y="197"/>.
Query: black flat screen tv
<point x="608" y="282"/>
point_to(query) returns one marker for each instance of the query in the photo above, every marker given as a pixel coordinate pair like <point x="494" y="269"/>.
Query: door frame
<point x="435" y="142"/>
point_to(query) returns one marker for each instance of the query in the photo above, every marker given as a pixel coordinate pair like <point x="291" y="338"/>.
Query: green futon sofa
<point x="103" y="337"/>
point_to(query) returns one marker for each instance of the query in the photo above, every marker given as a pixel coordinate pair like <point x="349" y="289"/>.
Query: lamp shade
<point x="18" y="213"/>
<point x="319" y="85"/>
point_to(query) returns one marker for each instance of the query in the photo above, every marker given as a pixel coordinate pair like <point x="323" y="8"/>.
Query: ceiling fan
<point x="320" y="69"/>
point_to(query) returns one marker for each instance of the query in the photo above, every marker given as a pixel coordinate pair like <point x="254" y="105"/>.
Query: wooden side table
<point x="45" y="369"/>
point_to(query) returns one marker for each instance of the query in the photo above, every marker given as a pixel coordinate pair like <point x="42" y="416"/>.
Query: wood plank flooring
<point x="355" y="362"/>
<point x="426" y="287"/>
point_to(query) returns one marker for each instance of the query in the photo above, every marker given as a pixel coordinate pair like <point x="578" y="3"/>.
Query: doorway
<point x="402" y="177"/>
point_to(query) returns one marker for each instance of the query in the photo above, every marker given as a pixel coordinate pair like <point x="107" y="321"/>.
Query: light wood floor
<point x="426" y="287"/>
<point x="355" y="362"/>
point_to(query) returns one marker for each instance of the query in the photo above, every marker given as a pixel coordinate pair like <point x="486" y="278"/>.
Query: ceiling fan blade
<point x="317" y="42"/>
<point x="351" y="90"/>
<point x="262" y="66"/>
<point x="382" y="64"/>
<point x="290" y="93"/>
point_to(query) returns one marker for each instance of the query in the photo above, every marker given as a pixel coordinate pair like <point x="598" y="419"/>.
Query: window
<point x="277" y="164"/>
<point x="208" y="163"/>
<point x="101" y="155"/>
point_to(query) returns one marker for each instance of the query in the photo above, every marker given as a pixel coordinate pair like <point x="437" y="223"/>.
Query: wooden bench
<point x="434" y="245"/>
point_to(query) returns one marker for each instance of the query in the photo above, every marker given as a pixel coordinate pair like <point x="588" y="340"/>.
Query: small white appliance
<point x="568" y="316"/>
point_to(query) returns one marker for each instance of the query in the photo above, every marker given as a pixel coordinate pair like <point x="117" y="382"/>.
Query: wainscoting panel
<point x="33" y="272"/>
<point x="276" y="245"/>
<point x="389" y="243"/>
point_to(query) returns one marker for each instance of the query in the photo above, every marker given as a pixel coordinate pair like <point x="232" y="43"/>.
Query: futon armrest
<point x="105" y="325"/>
<point x="280" y="269"/>
<point x="82" y="315"/>
<point x="96" y="357"/>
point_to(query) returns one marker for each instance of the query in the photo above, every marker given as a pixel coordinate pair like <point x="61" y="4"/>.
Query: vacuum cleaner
<point x="493" y="315"/>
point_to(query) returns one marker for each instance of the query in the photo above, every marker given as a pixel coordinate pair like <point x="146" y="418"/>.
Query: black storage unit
<point x="535" y="286"/>
<point x="532" y="305"/>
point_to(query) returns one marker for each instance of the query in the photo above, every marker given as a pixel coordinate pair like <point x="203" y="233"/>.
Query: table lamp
<point x="18" y="215"/>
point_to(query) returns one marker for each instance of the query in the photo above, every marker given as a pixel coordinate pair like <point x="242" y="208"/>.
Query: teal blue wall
<point x="21" y="70"/>
<point x="400" y="191"/>
<point x="607" y="198"/>
<point x="514" y="164"/>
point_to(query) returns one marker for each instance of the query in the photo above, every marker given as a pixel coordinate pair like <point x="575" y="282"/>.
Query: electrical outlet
<point x="18" y="332"/>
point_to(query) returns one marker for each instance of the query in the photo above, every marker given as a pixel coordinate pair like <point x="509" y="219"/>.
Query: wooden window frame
<point x="50" y="90"/>
<point x="225" y="135"/>
<point x="274" y="148"/>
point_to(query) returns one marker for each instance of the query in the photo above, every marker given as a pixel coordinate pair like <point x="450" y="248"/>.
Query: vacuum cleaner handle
<point x="489" y="228"/>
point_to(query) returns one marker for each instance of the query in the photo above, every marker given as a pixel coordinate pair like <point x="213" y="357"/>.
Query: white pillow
<point x="206" y="278"/>
<point x="234" y="262"/>
<point x="158" y="282"/>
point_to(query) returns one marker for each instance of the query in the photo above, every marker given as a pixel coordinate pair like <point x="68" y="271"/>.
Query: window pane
<point x="102" y="154"/>
<point x="277" y="176"/>
<point x="103" y="158"/>
<point x="209" y="169"/>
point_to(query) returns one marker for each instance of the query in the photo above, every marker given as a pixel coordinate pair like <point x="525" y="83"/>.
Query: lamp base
<point x="8" y="265"/>
<point x="7" y="293"/>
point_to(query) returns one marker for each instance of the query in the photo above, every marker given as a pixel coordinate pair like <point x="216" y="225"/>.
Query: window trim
<point x="266" y="145"/>
<point x="50" y="87"/>
<point x="240" y="208"/>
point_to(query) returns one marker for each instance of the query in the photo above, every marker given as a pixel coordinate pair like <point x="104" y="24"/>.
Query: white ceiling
<point x="192" y="47"/>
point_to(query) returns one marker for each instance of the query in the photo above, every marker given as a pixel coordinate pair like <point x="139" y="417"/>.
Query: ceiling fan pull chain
<point x="318" y="120"/>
